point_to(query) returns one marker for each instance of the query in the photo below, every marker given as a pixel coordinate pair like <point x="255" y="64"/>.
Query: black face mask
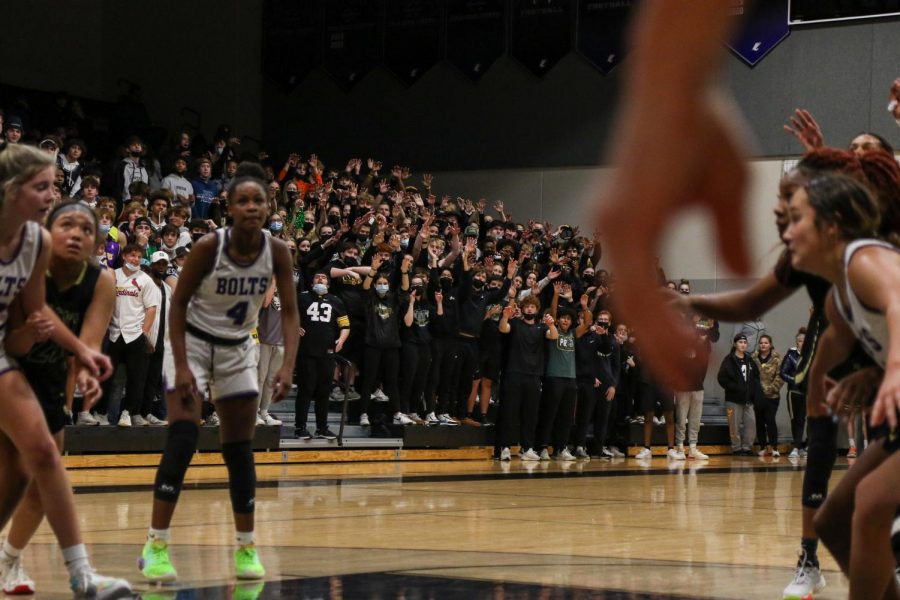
<point x="133" y="154"/>
<point x="419" y="290"/>
<point x="477" y="284"/>
<point x="351" y="261"/>
<point x="308" y="226"/>
<point x="335" y="220"/>
<point x="196" y="236"/>
<point x="528" y="318"/>
<point x="446" y="282"/>
<point x="587" y="278"/>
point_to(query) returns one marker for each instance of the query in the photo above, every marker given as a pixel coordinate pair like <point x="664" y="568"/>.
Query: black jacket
<point x="738" y="389"/>
<point x="789" y="369"/>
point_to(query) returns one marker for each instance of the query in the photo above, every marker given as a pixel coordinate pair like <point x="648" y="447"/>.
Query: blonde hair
<point x="18" y="164"/>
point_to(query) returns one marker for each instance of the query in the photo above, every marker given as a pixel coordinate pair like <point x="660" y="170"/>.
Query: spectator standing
<point x="415" y="355"/>
<point x="752" y="330"/>
<point x="129" y="170"/>
<point x="159" y="335"/>
<point x="178" y="184"/>
<point x="70" y="162"/>
<point x="739" y="376"/>
<point x="769" y="363"/>
<point x="206" y="189"/>
<point x="796" y="397"/>
<point x="271" y="353"/>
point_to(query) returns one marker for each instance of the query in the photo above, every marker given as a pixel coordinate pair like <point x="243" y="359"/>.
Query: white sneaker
<point x="336" y="394"/>
<point x="364" y="420"/>
<point x="565" y="455"/>
<point x="139" y="421"/>
<point x="605" y="453"/>
<point x="88" y="584"/>
<point x="101" y="418"/>
<point x="616" y="452"/>
<point x="545" y="455"/>
<point x="657" y="421"/>
<point x="807" y="580"/>
<point x="795" y="453"/>
<point x="213" y="420"/>
<point x="447" y="420"/>
<point x="124" y="419"/>
<point x="432" y="419"/>
<point x="379" y="396"/>
<point x="270" y="420"/>
<point x="86" y="418"/>
<point x="675" y="454"/>
<point x="775" y="453"/>
<point x="154" y="421"/>
<point x="401" y="419"/>
<point x="530" y="455"/>
<point x="695" y="453"/>
<point x="16" y="581"/>
<point x="645" y="453"/>
<point x="504" y="453"/>
<point x="260" y="421"/>
<point x="580" y="452"/>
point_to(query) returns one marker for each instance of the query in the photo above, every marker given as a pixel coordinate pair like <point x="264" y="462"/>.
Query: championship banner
<point x="763" y="24"/>
<point x="541" y="33"/>
<point x="412" y="42"/>
<point x="600" y="31"/>
<point x="292" y="40"/>
<point x="475" y="33"/>
<point x="351" y="39"/>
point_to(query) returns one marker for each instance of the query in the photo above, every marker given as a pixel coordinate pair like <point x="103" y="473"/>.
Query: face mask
<point x="527" y="318"/>
<point x="131" y="267"/>
<point x="178" y="269"/>
<point x="404" y="244"/>
<point x="477" y="284"/>
<point x="134" y="154"/>
<point x="320" y="289"/>
<point x="335" y="220"/>
<point x="419" y="290"/>
<point x="104" y="229"/>
<point x="588" y="278"/>
<point x="276" y="226"/>
<point x="446" y="282"/>
<point x="381" y="289"/>
<point x="308" y="226"/>
<point x="351" y="261"/>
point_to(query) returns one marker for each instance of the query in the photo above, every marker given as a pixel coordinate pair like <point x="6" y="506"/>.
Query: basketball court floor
<point x="625" y="529"/>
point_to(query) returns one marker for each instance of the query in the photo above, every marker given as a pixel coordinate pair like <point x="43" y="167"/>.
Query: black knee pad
<point x="181" y="444"/>
<point x="822" y="451"/>
<point x="241" y="475"/>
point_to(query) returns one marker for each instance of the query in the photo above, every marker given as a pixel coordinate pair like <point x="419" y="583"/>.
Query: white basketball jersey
<point x="869" y="326"/>
<point x="227" y="303"/>
<point x="15" y="272"/>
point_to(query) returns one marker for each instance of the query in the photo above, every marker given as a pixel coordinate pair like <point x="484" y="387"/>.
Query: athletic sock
<point x="163" y="535"/>
<point x="244" y="538"/>
<point x="851" y="442"/>
<point x="76" y="559"/>
<point x="810" y="546"/>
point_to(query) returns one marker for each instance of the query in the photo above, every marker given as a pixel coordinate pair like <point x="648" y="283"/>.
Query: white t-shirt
<point x="135" y="294"/>
<point x="178" y="185"/>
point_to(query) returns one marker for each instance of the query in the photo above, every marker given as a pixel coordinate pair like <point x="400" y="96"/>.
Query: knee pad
<point x="822" y="452"/>
<point x="181" y="444"/>
<point x="241" y="475"/>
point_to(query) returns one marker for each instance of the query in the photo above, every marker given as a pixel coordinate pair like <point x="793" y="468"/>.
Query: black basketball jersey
<point x="322" y="318"/>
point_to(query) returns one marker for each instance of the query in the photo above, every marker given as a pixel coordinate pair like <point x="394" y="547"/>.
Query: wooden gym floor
<point x="463" y="529"/>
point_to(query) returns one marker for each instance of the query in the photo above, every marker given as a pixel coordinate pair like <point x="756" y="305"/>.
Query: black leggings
<point x="584" y="414"/>
<point x="519" y="409"/>
<point x="313" y="376"/>
<point x="443" y="364"/>
<point x="557" y="413"/>
<point x="416" y="361"/>
<point x="766" y="428"/>
<point x="153" y="385"/>
<point x="135" y="357"/>
<point x="384" y="362"/>
<point x="797" y="411"/>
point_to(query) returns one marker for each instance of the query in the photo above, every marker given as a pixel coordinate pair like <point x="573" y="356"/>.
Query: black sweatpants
<point x="468" y="356"/>
<point x="416" y="361"/>
<point x="383" y="362"/>
<point x="584" y="414"/>
<point x="314" y="375"/>
<point x="443" y="364"/>
<point x="766" y="427"/>
<point x="519" y="409"/>
<point x="153" y="385"/>
<point x="797" y="410"/>
<point x="135" y="358"/>
<point x="557" y="413"/>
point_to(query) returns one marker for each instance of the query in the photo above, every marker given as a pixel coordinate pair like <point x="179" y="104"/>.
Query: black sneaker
<point x="302" y="433"/>
<point x="325" y="434"/>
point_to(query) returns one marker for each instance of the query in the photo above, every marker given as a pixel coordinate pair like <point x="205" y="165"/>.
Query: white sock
<point x="244" y="538"/>
<point x="10" y="553"/>
<point x="159" y="534"/>
<point x="76" y="559"/>
<point x="852" y="442"/>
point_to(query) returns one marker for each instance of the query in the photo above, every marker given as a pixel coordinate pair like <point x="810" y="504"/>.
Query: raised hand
<point x="427" y="179"/>
<point x="482" y="204"/>
<point x="498" y="206"/>
<point x="805" y="128"/>
<point x="405" y="173"/>
<point x="548" y="320"/>
<point x="511" y="269"/>
<point x="396" y="171"/>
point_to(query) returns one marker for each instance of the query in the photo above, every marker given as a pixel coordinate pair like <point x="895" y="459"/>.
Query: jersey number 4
<point x="319" y="312"/>
<point x="238" y="313"/>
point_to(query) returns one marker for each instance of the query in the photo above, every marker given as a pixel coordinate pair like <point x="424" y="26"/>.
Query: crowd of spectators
<point x="443" y="304"/>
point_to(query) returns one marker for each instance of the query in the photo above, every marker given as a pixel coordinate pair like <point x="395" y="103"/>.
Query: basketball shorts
<point x="221" y="371"/>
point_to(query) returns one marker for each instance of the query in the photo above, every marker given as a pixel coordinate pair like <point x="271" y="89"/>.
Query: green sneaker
<point x="246" y="563"/>
<point x="154" y="562"/>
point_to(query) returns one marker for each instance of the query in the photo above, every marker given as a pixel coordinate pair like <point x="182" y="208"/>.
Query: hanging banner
<point x="541" y="33"/>
<point x="763" y="24"/>
<point x="601" y="29"/>
<point x="412" y="42"/>
<point x="351" y="39"/>
<point x="292" y="40"/>
<point x="476" y="30"/>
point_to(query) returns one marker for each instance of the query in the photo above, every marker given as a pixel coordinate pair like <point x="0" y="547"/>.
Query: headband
<point x="69" y="207"/>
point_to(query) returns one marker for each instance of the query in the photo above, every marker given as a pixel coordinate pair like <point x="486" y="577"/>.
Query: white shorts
<point x="221" y="372"/>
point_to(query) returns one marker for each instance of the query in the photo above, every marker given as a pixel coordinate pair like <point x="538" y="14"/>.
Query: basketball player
<point x="82" y="294"/>
<point x="27" y="449"/>
<point x="214" y="309"/>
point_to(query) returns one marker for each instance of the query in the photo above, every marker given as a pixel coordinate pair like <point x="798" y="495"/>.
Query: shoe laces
<point x="804" y="568"/>
<point x="16" y="573"/>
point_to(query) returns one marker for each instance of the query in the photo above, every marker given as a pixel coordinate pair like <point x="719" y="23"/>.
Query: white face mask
<point x="131" y="267"/>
